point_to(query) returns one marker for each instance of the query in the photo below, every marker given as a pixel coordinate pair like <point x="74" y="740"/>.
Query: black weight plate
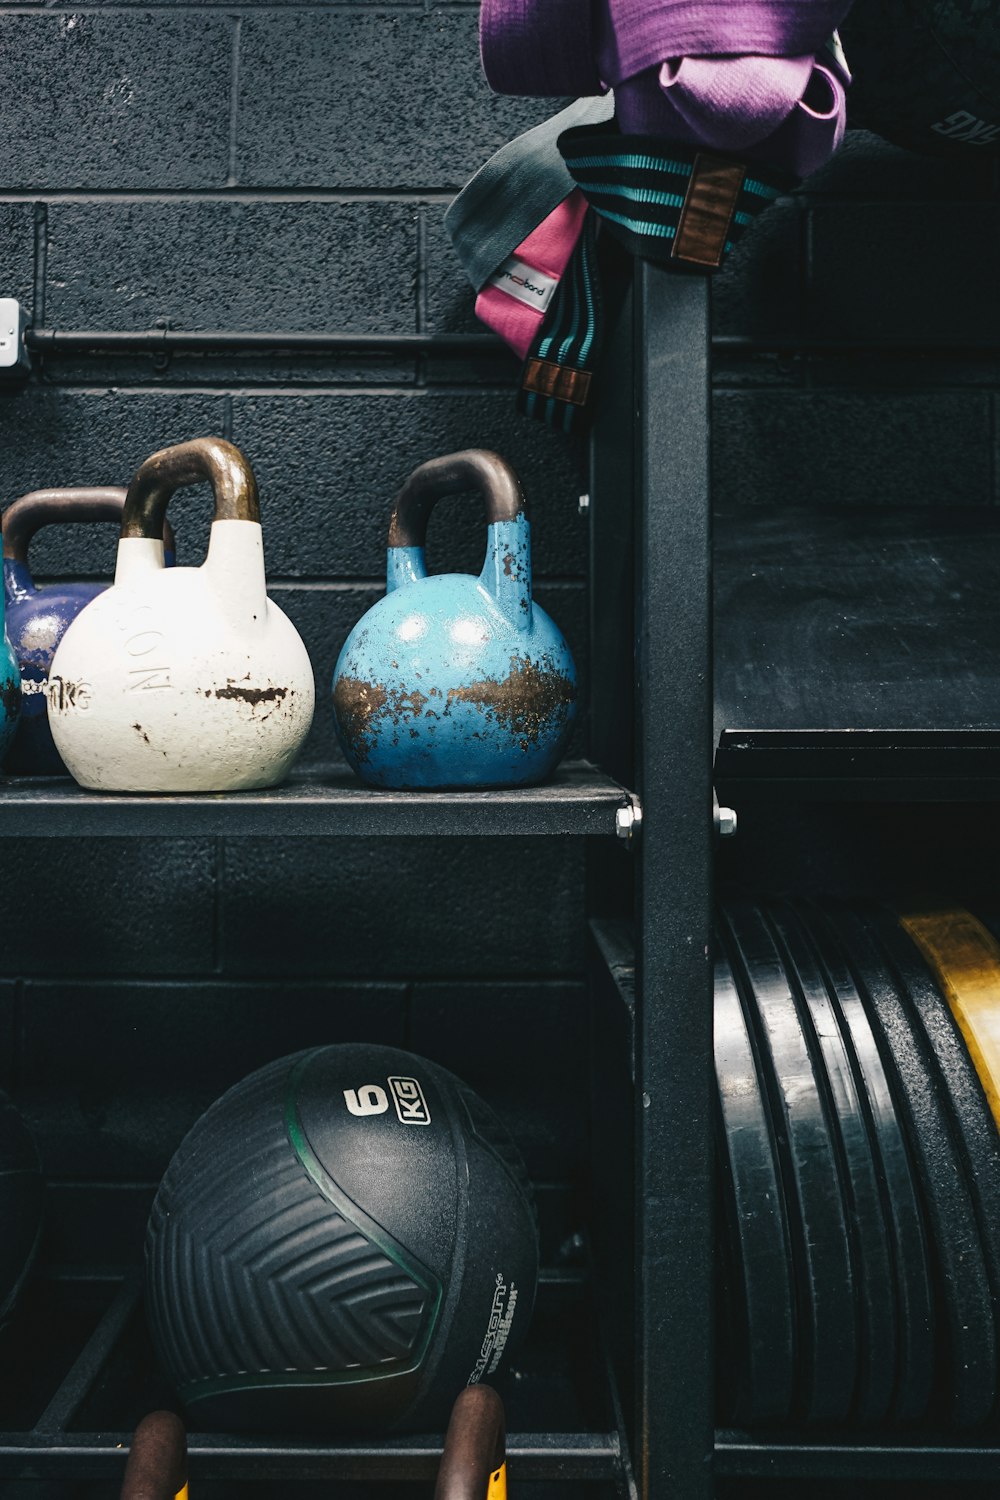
<point x="871" y="1252"/>
<point x="965" y="1313"/>
<point x="972" y="1118"/>
<point x="825" y="1298"/>
<point x="901" y="1196"/>
<point x="761" y="1304"/>
<point x="730" y="1314"/>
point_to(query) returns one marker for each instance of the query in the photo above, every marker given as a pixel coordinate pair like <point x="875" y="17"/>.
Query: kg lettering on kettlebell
<point x="187" y="679"/>
<point x="38" y="618"/>
<point x="456" y="680"/>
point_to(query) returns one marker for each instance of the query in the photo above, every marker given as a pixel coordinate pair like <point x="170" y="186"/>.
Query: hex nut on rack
<point x="628" y="821"/>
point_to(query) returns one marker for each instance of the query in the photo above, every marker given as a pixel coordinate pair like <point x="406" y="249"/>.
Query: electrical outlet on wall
<point x="15" y="361"/>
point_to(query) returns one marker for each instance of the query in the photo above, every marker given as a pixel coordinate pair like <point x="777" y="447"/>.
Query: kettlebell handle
<point x="474" y="469"/>
<point x="474" y="1447"/>
<point x="211" y="459"/>
<point x="25" y="516"/>
<point x="157" y="1459"/>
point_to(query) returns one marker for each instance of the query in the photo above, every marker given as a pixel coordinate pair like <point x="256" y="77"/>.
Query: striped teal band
<point x="639" y="187"/>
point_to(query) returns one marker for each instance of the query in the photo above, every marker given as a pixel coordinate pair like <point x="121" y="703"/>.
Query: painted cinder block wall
<point x="286" y="166"/>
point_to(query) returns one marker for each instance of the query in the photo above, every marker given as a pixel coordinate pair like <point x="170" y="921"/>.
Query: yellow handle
<point x="965" y="956"/>
<point x="498" y="1484"/>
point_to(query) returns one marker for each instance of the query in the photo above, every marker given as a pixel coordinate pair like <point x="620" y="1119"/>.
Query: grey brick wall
<point x="270" y="164"/>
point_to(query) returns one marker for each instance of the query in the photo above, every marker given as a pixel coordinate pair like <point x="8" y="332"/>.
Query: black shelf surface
<point x="86" y="1376"/>
<point x="934" y="1459"/>
<point x="857" y="652"/>
<point x="899" y="765"/>
<point x="319" y="801"/>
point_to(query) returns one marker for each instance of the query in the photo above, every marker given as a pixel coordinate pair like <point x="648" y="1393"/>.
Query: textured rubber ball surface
<point x="344" y="1240"/>
<point x="21" y="1193"/>
<point x="810" y="1171"/>
<point x="896" y="1172"/>
<point x="926" y="72"/>
<point x="964" y="1298"/>
<point x="756" y="1353"/>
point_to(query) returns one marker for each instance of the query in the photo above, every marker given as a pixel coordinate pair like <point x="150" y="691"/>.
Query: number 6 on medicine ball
<point x="345" y="1239"/>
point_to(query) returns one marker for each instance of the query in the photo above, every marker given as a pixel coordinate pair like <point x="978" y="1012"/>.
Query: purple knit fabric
<point x="539" y="47"/>
<point x="641" y="33"/>
<point x="791" y="112"/>
<point x="730" y="75"/>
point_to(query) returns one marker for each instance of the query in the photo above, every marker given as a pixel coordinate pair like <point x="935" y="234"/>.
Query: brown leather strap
<point x="546" y="378"/>
<point x="213" y="460"/>
<point x="707" y="214"/>
<point x="157" y="1460"/>
<point x="475" y="469"/>
<point x="474" y="1445"/>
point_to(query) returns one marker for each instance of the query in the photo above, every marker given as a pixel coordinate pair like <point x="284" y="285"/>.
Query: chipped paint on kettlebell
<point x="195" y="680"/>
<point x="453" y="680"/>
<point x="38" y="618"/>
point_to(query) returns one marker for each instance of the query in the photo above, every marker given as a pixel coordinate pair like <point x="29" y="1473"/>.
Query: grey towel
<point x="515" y="191"/>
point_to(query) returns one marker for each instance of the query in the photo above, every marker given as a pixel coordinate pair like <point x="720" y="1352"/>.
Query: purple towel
<point x="639" y="34"/>
<point x="789" y="111"/>
<point x="740" y="77"/>
<point x="539" y="47"/>
<point x="554" y="47"/>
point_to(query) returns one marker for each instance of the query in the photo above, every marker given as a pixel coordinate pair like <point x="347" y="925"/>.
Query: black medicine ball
<point x="926" y="72"/>
<point x="21" y="1191"/>
<point x="345" y="1239"/>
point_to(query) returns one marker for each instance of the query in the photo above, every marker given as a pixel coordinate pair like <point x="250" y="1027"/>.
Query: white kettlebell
<point x="183" y="679"/>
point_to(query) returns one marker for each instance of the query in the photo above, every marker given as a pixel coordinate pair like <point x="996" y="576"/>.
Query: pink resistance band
<point x="516" y="298"/>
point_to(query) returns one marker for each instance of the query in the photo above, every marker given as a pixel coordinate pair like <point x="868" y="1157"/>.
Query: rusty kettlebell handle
<point x="474" y="1446"/>
<point x="25" y="516"/>
<point x="157" y="1460"/>
<point x="474" y="469"/>
<point x="211" y="459"/>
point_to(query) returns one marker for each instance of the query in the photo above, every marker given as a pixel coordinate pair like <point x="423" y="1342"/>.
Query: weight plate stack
<point x="872" y="1258"/>
<point x="757" y="1312"/>
<point x="966" y="1368"/>
<point x="858" y="1069"/>
<point x="896" y="1173"/>
<point x="925" y="952"/>
<point x="810" y="1170"/>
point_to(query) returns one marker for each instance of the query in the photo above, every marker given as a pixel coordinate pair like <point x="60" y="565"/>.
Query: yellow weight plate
<point x="965" y="956"/>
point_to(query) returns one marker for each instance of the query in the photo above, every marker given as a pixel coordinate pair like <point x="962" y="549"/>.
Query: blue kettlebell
<point x="454" y="680"/>
<point x="37" y="618"/>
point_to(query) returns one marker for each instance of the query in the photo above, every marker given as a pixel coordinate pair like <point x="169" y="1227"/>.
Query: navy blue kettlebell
<point x="37" y="618"/>
<point x="455" y="680"/>
<point x="10" y="688"/>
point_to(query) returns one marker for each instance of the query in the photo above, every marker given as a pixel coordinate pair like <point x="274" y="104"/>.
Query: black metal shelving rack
<point x="650" y="787"/>
<point x="85" y="1371"/>
<point x="83" y="1343"/>
<point x="650" y="976"/>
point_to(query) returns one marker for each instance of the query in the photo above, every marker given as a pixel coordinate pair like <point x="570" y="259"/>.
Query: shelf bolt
<point x="727" y="822"/>
<point x="583" y="504"/>
<point x="628" y="821"/>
